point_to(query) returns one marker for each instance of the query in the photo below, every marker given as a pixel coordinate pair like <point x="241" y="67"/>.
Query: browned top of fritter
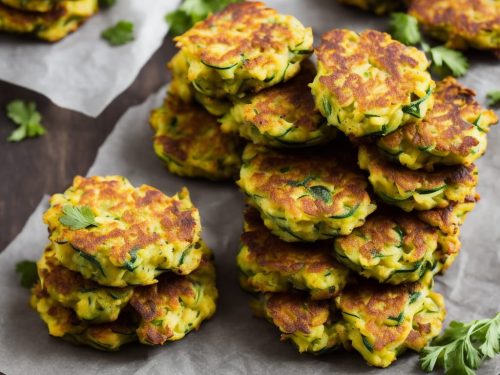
<point x="410" y="180"/>
<point x="465" y="17"/>
<point x="291" y="101"/>
<point x="342" y="51"/>
<point x="447" y="126"/>
<point x="20" y="17"/>
<point x="296" y="312"/>
<point x="376" y="304"/>
<point x="238" y="30"/>
<point x="287" y="178"/>
<point x="185" y="130"/>
<point x="390" y="228"/>
<point x="134" y="212"/>
<point x="273" y="254"/>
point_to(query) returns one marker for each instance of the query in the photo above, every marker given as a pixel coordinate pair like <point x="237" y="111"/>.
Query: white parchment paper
<point x="233" y="342"/>
<point x="82" y="72"/>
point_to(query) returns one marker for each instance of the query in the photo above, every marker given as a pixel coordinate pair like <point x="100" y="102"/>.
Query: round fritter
<point x="62" y="322"/>
<point x="268" y="264"/>
<point x="391" y="247"/>
<point x="377" y="6"/>
<point x="453" y="132"/>
<point x="51" y="26"/>
<point x="419" y="190"/>
<point x="244" y="48"/>
<point x="310" y="325"/>
<point x="281" y="116"/>
<point x="370" y="84"/>
<point x="305" y="195"/>
<point x="32" y="5"/>
<point x="176" y="305"/>
<point x="190" y="142"/>
<point x="89" y="300"/>
<point x="183" y="89"/>
<point x="380" y="318"/>
<point x="461" y="23"/>
<point x="118" y="235"/>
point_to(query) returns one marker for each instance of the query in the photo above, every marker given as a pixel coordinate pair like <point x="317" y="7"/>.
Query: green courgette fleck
<point x="430" y="191"/>
<point x="130" y="264"/>
<point x="476" y="124"/>
<point x="413" y="109"/>
<point x="219" y="67"/>
<point x="414" y="297"/>
<point x="367" y="344"/>
<point x="398" y="319"/>
<point x="327" y="107"/>
<point x="347" y="214"/>
<point x="91" y="259"/>
<point x="321" y="192"/>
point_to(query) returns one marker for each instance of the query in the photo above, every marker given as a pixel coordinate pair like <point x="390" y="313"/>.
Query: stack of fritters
<point x="335" y="257"/>
<point x="459" y="23"/>
<point x="50" y="20"/>
<point x="124" y="264"/>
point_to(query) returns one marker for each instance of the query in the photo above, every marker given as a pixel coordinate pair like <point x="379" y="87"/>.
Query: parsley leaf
<point x="77" y="217"/>
<point x="192" y="11"/>
<point x="446" y="61"/>
<point x="107" y="3"/>
<point x="121" y="33"/>
<point x="494" y="97"/>
<point x="28" y="272"/>
<point x="28" y="119"/>
<point x="463" y="347"/>
<point x="405" y="28"/>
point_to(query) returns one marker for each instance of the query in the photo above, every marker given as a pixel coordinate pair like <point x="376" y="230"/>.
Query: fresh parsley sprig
<point x="77" y="217"/>
<point x="29" y="273"/>
<point x="192" y="11"/>
<point x="28" y="119"/>
<point x="463" y="347"/>
<point x="494" y="97"/>
<point x="119" y="34"/>
<point x="445" y="61"/>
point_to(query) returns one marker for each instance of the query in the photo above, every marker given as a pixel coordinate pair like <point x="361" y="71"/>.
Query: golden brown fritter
<point x="370" y="84"/>
<point x="190" y="142"/>
<point x="244" y="48"/>
<point x="305" y="195"/>
<point x="51" y="26"/>
<point x="281" y="116"/>
<point x="420" y="190"/>
<point x="268" y="264"/>
<point x="460" y="23"/>
<point x="136" y="233"/>
<point x="453" y="132"/>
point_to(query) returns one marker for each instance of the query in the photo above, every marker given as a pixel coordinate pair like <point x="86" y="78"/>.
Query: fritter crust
<point x="453" y="132"/>
<point x="51" y="26"/>
<point x="190" y="142"/>
<point x="140" y="232"/>
<point x="244" y="48"/>
<point x="281" y="116"/>
<point x="370" y="84"/>
<point x="460" y="23"/>
<point x="419" y="190"/>
<point x="305" y="195"/>
<point x="268" y="264"/>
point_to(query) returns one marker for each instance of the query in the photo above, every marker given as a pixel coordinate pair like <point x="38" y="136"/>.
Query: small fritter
<point x="377" y="6"/>
<point x="62" y="322"/>
<point x="419" y="190"/>
<point x="310" y="325"/>
<point x="32" y="5"/>
<point x="190" y="142"/>
<point x="281" y="116"/>
<point x="370" y="84"/>
<point x="51" y="26"/>
<point x="183" y="89"/>
<point x="453" y="132"/>
<point x="89" y="300"/>
<point x="305" y="195"/>
<point x="244" y="48"/>
<point x="391" y="247"/>
<point x="176" y="305"/>
<point x="118" y="235"/>
<point x="268" y="264"/>
<point x="381" y="320"/>
<point x="460" y="23"/>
